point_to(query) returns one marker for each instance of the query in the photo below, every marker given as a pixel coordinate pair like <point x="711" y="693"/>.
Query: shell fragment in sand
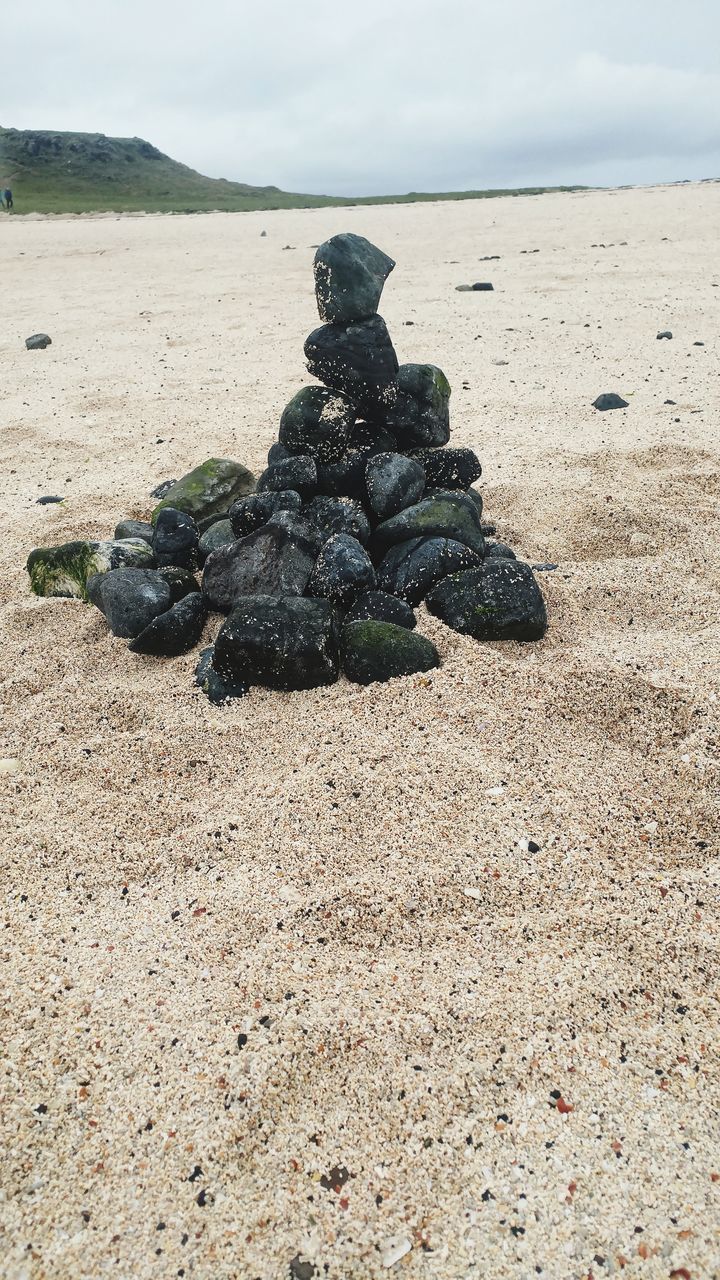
<point x="10" y="764"/>
<point x="395" y="1249"/>
<point x="473" y="893"/>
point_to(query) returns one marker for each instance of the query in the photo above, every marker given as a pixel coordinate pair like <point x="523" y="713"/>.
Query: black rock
<point x="665" y="334"/>
<point x="483" y="287"/>
<point x="420" y="414"/>
<point x="346" y="478"/>
<point x="38" y="342"/>
<point x="378" y="606"/>
<point x="447" y="516"/>
<point x="180" y="581"/>
<point x="276" y="560"/>
<point x="161" y="489"/>
<point x="52" y="497"/>
<point x="393" y="482"/>
<point x="546" y="567"/>
<point x="358" y="359"/>
<point x="277" y="453"/>
<point x="298" y="473"/>
<point x="175" y="631"/>
<point x="281" y="643"/>
<point x="300" y="1269"/>
<point x="471" y="498"/>
<point x="449" y="468"/>
<point x="218" y="535"/>
<point x="342" y="571"/>
<point x="316" y="424"/>
<point x="135" y="529"/>
<point x="500" y="601"/>
<point x="379" y="651"/>
<point x="349" y="276"/>
<point x="499" y="550"/>
<point x="253" y="512"/>
<point x="609" y="400"/>
<point x="337" y="515"/>
<point x="217" y="689"/>
<point x="411" y="569"/>
<point x="129" y="598"/>
<point x="175" y="539"/>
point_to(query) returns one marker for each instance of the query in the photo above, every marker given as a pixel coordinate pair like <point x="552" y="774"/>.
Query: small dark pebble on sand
<point x="50" y="497"/>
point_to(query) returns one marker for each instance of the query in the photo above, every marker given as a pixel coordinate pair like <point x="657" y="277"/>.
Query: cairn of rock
<point x="362" y="513"/>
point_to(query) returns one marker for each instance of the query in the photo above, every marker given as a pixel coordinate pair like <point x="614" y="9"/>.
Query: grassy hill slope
<point x="84" y="172"/>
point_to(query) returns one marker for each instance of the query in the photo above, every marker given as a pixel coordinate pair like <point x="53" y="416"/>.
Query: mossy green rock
<point x="421" y="414"/>
<point x="378" y="651"/>
<point x="443" y="517"/>
<point x="208" y="491"/>
<point x="64" y="570"/>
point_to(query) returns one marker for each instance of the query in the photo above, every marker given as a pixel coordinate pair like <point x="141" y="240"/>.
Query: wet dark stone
<point x="276" y="560"/>
<point x="316" y="424"/>
<point x="500" y="601"/>
<point x="483" y="286"/>
<point x="180" y="581"/>
<point x="420" y="415"/>
<point x="665" y="334"/>
<point x="129" y="598"/>
<point x="350" y="273"/>
<point x="393" y="482"/>
<point x="609" y="400"/>
<point x="346" y="478"/>
<point x="253" y="512"/>
<point x="358" y="359"/>
<point x="173" y="632"/>
<point x="378" y="651"/>
<point x="378" y="606"/>
<point x="499" y="549"/>
<point x="411" y="569"/>
<point x="298" y="473"/>
<point x="218" y="535"/>
<point x="281" y="643"/>
<point x="38" y="342"/>
<point x="342" y="571"/>
<point x="337" y="515"/>
<point x="135" y="529"/>
<point x="49" y="498"/>
<point x="449" y="468"/>
<point x="161" y="489"/>
<point x="448" y="516"/>
<point x="217" y="689"/>
<point x="175" y="539"/>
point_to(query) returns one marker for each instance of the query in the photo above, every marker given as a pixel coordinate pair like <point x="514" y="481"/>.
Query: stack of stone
<point x="362" y="513"/>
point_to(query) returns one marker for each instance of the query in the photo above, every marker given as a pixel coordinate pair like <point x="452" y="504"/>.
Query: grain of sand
<point x="513" y="1054"/>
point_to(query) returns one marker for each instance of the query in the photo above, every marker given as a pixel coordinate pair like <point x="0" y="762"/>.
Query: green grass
<point x="87" y="172"/>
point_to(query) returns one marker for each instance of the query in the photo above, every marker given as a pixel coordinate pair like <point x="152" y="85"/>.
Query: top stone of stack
<point x="349" y="276"/>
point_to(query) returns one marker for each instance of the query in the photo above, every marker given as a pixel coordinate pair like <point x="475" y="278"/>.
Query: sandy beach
<point x="283" y="985"/>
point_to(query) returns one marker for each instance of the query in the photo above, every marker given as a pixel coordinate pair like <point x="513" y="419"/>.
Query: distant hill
<point x="88" y="172"/>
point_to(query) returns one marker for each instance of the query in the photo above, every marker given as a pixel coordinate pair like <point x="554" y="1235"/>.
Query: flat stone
<point x="175" y="539"/>
<point x="379" y="651"/>
<point x="134" y="529"/>
<point x="411" y="569"/>
<point x="281" y="643"/>
<point x="64" y="570"/>
<point x="500" y="601"/>
<point x="350" y="273"/>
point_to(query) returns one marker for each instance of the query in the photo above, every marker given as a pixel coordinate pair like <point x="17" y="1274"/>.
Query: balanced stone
<point x="297" y="473"/>
<point x="342" y="571"/>
<point x="316" y="423"/>
<point x="337" y="515"/>
<point x="378" y="606"/>
<point x="279" y="643"/>
<point x="252" y="512"/>
<point x="64" y="570"/>
<point x="208" y="491"/>
<point x="447" y="516"/>
<point x="175" y="539"/>
<point x="130" y="599"/>
<point x="500" y="601"/>
<point x="273" y="561"/>
<point x="449" y="468"/>
<point x="175" y="631"/>
<point x="379" y="651"/>
<point x="393" y="482"/>
<point x="356" y="358"/>
<point x="411" y="569"/>
<point x="420" y="415"/>
<point x="346" y="478"/>
<point x="349" y="276"/>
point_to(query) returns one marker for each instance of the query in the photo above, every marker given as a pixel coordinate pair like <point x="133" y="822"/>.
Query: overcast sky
<point x="381" y="95"/>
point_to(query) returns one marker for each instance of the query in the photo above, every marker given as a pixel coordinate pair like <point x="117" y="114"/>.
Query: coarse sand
<point x="289" y="979"/>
